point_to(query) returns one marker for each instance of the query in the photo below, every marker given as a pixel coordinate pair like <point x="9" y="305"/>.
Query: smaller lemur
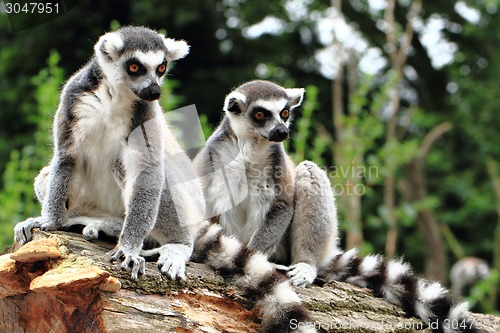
<point x="255" y="192"/>
<point x="286" y="212"/>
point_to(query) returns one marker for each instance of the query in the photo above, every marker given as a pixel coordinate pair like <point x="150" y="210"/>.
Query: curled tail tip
<point x="291" y="318"/>
<point x="461" y="319"/>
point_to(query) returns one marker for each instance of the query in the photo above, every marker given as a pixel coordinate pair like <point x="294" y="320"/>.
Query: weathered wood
<point x="203" y="303"/>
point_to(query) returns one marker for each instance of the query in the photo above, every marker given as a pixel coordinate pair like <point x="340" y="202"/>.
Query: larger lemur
<point x="117" y="168"/>
<point x="255" y="192"/>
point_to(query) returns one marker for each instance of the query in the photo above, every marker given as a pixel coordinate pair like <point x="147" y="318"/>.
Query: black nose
<point x="279" y="134"/>
<point x="150" y="93"/>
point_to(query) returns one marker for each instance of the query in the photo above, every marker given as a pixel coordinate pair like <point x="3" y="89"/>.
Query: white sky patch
<point x="377" y="5"/>
<point x="269" y="25"/>
<point x="330" y="25"/>
<point x="297" y="9"/>
<point x="470" y="14"/>
<point x="372" y="61"/>
<point x="440" y="50"/>
<point x="328" y="65"/>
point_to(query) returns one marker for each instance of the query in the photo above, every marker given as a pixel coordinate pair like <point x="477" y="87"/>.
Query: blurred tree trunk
<point x="416" y="191"/>
<point x="398" y="53"/>
<point x="349" y="199"/>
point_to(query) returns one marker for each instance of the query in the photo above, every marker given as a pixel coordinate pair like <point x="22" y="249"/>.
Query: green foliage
<point x="17" y="196"/>
<point x="305" y="123"/>
<point x="481" y="293"/>
<point x="169" y="101"/>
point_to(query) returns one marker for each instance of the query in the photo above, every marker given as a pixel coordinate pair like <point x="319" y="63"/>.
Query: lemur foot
<point x="23" y="230"/>
<point x="172" y="261"/>
<point x="90" y="233"/>
<point x="138" y="262"/>
<point x="302" y="274"/>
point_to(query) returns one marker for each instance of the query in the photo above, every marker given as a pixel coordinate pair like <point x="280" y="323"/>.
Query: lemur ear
<point x="235" y="102"/>
<point x="109" y="46"/>
<point x="295" y="95"/>
<point x="177" y="49"/>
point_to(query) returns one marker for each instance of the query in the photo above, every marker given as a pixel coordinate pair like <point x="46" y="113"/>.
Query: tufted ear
<point x="177" y="49"/>
<point x="235" y="103"/>
<point x="295" y="96"/>
<point x="109" y="46"/>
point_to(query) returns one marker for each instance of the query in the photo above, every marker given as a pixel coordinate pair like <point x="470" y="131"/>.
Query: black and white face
<point x="145" y="73"/>
<point x="265" y="112"/>
<point x="269" y="119"/>
<point x="136" y="59"/>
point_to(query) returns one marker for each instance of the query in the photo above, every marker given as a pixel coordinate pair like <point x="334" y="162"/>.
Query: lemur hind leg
<point x="314" y="235"/>
<point x="23" y="230"/>
<point x="83" y="214"/>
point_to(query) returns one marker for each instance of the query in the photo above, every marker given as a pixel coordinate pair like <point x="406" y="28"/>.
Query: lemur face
<point x="137" y="59"/>
<point x="262" y="109"/>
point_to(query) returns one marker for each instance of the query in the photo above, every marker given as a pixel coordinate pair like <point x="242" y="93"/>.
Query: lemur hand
<point x="129" y="257"/>
<point x="173" y="259"/>
<point x="23" y="230"/>
<point x="302" y="274"/>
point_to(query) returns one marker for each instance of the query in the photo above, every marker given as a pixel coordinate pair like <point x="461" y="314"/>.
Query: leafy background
<point x="421" y="137"/>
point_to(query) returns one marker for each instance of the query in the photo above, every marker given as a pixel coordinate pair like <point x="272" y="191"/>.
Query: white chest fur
<point x="242" y="190"/>
<point x="100" y="133"/>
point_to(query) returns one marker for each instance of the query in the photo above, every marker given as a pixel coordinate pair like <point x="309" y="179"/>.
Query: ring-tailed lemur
<point x="117" y="168"/>
<point x="255" y="192"/>
<point x="465" y="273"/>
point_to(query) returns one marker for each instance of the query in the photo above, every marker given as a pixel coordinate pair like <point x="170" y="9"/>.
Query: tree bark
<point x="203" y="303"/>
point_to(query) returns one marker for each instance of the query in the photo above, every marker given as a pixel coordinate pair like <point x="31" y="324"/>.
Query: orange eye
<point x="285" y="113"/>
<point x="134" y="68"/>
<point x="259" y="115"/>
<point x="162" y="68"/>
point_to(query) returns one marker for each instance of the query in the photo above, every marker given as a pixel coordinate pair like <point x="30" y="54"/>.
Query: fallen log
<point x="62" y="283"/>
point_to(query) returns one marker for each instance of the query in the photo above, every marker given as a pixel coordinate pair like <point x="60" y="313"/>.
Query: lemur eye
<point x="134" y="68"/>
<point x="162" y="68"/>
<point x="259" y="115"/>
<point x="285" y="113"/>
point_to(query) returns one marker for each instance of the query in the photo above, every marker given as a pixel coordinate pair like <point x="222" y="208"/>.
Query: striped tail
<point x="394" y="281"/>
<point x="281" y="308"/>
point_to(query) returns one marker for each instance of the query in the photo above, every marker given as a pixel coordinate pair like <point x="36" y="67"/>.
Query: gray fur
<point x="286" y="212"/>
<point x="109" y="170"/>
<point x="141" y="39"/>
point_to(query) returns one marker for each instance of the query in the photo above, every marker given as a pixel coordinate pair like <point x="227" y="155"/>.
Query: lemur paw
<point x="23" y="230"/>
<point x="90" y="233"/>
<point x="172" y="261"/>
<point x="48" y="226"/>
<point x="137" y="262"/>
<point x="302" y="274"/>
